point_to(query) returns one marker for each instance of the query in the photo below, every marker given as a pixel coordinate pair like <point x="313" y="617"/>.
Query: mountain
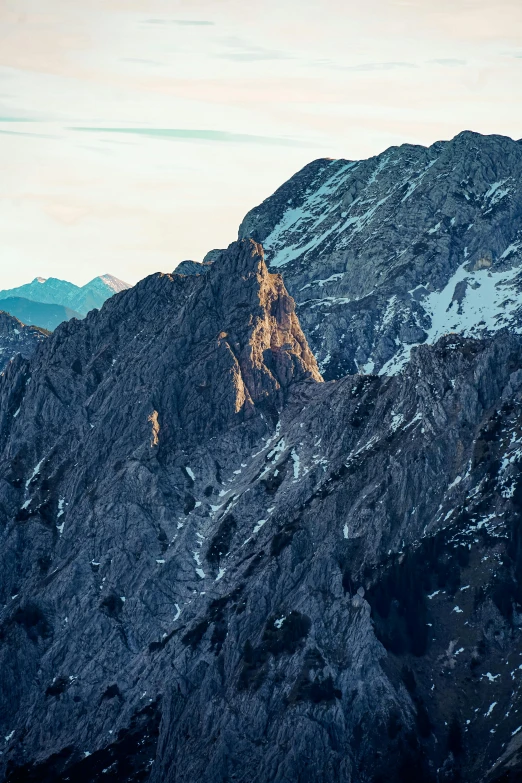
<point x="192" y="268"/>
<point x="81" y="299"/>
<point x="17" y="338"/>
<point x="390" y="252"/>
<point x="45" y="315"/>
<point x="216" y="566"/>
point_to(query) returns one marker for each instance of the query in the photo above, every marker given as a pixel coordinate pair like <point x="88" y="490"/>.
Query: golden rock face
<point x="153" y="418"/>
<point x="483" y="263"/>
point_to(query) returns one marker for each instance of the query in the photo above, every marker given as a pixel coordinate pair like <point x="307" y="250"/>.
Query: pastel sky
<point x="137" y="133"/>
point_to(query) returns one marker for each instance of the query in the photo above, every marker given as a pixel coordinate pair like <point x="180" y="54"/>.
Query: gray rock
<point x="217" y="567"/>
<point x="191" y="268"/>
<point x="17" y="338"/>
<point x="373" y="251"/>
<point x="212" y="256"/>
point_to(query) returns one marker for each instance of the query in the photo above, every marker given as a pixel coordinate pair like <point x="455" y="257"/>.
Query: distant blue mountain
<point x="47" y="316"/>
<point x="79" y="299"/>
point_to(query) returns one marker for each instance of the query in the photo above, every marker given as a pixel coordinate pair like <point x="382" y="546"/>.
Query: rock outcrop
<point x="17" y="338"/>
<point x="217" y="567"/>
<point x="391" y="252"/>
<point x="192" y="268"/>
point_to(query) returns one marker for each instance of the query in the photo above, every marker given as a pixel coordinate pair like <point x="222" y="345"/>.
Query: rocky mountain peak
<point x="113" y="283"/>
<point x="274" y="348"/>
<point x="189" y="267"/>
<point x="214" y="351"/>
<point x="390" y="252"/>
<point x="197" y="532"/>
<point x="217" y="567"/>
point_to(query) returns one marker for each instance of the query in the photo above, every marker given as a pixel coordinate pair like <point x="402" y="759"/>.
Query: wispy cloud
<point x="22" y="133"/>
<point x="243" y="57"/>
<point x="17" y="119"/>
<point x="180" y="134"/>
<point x="239" y="50"/>
<point x="448" y="62"/>
<point x="182" y="22"/>
<point x="362" y="67"/>
<point x="391" y="66"/>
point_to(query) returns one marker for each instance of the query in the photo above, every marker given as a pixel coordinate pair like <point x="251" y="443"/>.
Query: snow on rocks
<point x="36" y="471"/>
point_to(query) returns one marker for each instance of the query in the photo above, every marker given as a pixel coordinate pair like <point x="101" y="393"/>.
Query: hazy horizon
<point x="137" y="134"/>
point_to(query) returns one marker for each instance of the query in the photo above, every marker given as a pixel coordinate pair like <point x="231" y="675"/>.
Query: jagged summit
<point x="239" y="317"/>
<point x="216" y="566"/>
<point x="390" y="252"/>
<point x="112" y="282"/>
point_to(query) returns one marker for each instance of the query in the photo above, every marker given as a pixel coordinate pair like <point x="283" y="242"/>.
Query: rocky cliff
<point x="17" y="338"/>
<point x="217" y="567"/>
<point x="387" y="253"/>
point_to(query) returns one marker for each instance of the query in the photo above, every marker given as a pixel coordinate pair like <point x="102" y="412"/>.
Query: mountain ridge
<point x="61" y="292"/>
<point x="217" y="566"/>
<point x="32" y="313"/>
<point x="362" y="257"/>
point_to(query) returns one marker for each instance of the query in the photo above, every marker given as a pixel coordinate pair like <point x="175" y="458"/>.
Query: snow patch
<point x="397" y="419"/>
<point x="258" y="526"/>
<point x="297" y="463"/>
<point x="491" y="301"/>
<point x="455" y="482"/>
<point x="35" y="472"/>
<point x="490" y="710"/>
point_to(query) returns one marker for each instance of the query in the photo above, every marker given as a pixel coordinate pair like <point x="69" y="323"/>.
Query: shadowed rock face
<point x="217" y="567"/>
<point x="17" y="338"/>
<point x="397" y="250"/>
